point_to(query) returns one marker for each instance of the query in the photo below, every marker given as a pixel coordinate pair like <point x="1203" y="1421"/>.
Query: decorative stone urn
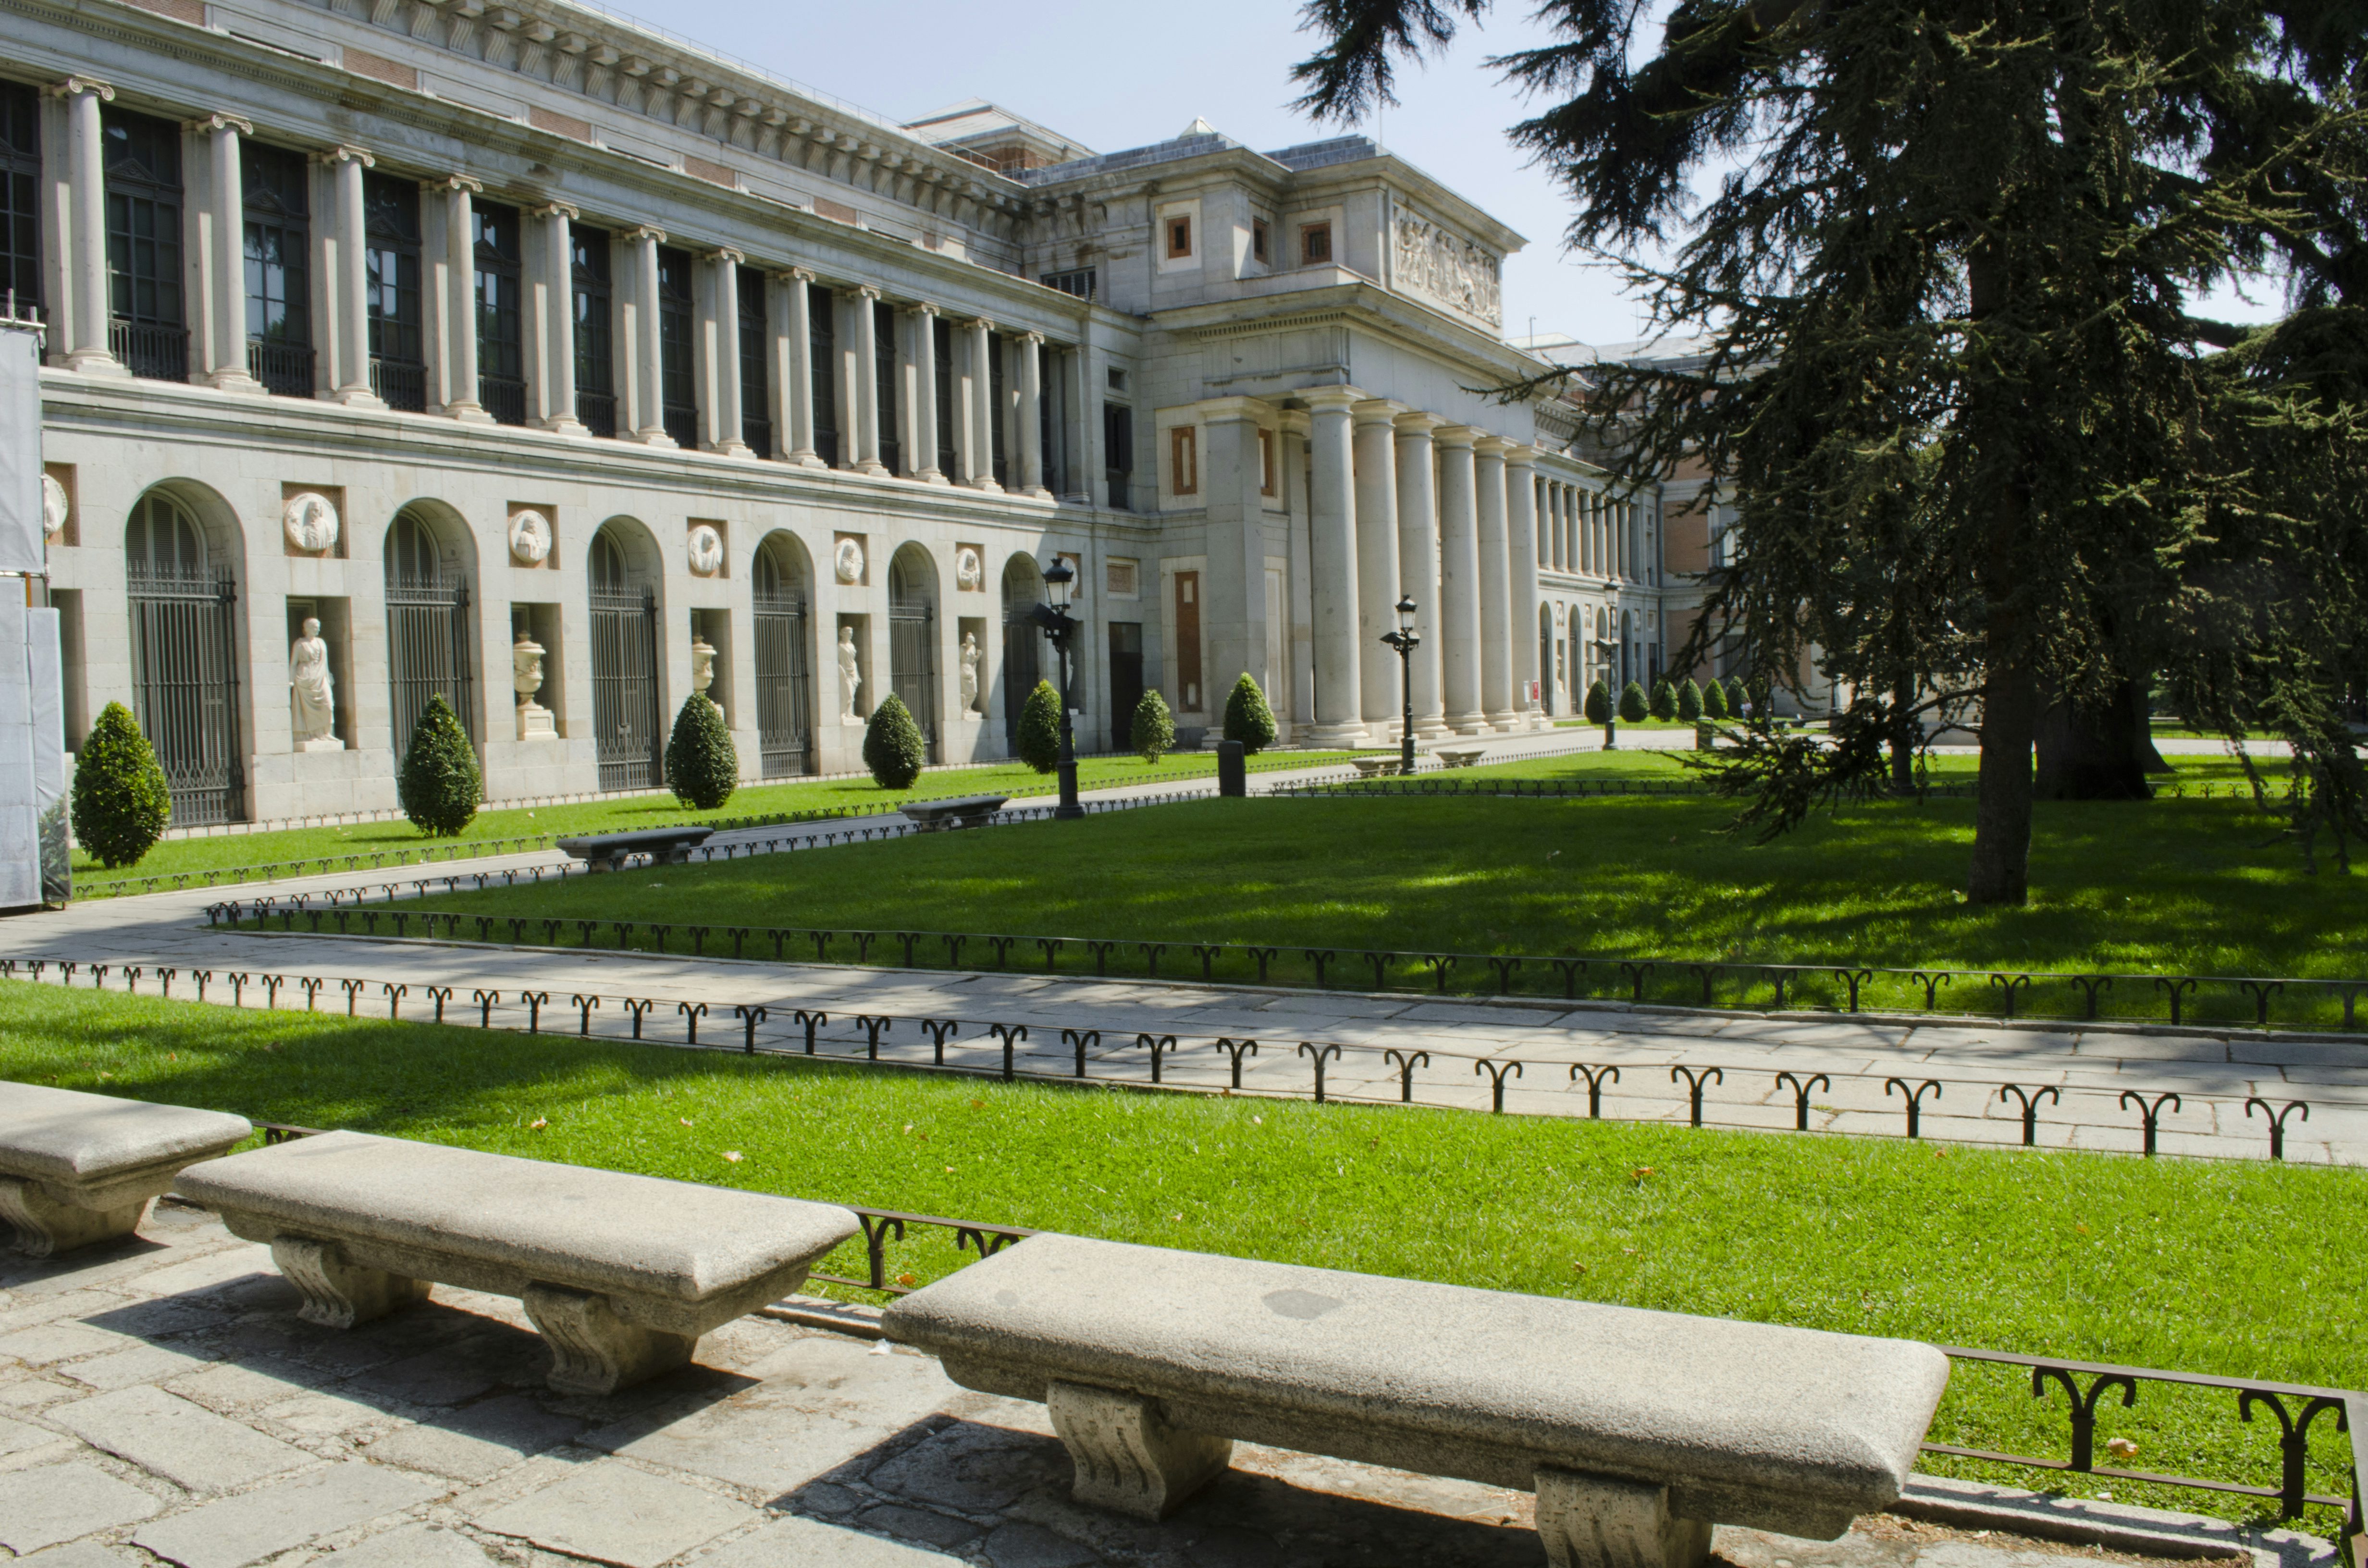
<point x="702" y="664"/>
<point x="534" y="720"/>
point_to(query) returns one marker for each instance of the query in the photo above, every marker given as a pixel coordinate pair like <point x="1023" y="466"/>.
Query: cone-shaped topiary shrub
<point x="1155" y="728"/>
<point x="1632" y="706"/>
<point x="1598" y="702"/>
<point x="703" y="765"/>
<point x="1040" y="728"/>
<point x="1690" y="700"/>
<point x="440" y="785"/>
<point x="893" y="746"/>
<point x="1664" y="700"/>
<point x="1714" y="700"/>
<point x="120" y="799"/>
<point x="1735" y="697"/>
<point x="1247" y="718"/>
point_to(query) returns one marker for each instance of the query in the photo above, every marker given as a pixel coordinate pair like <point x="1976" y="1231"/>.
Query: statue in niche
<point x="312" y="707"/>
<point x="851" y="678"/>
<point x="970" y="672"/>
<point x="534" y="720"/>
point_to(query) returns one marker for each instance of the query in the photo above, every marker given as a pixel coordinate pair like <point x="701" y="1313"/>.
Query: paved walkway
<point x="160" y="1399"/>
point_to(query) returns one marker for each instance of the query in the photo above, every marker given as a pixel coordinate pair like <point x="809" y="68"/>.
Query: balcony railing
<point x="399" y="383"/>
<point x="150" y="349"/>
<point x="598" y="411"/>
<point x="682" y="424"/>
<point x="504" y="397"/>
<point x="284" y="368"/>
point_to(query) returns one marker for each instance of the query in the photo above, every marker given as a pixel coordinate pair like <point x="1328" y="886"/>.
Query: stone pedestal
<point x="1128" y="1458"/>
<point x="321" y="742"/>
<point x="594" y="1351"/>
<point x="1601" y="1521"/>
<point x="535" y="722"/>
<point x="45" y="1226"/>
<point x="338" y="1293"/>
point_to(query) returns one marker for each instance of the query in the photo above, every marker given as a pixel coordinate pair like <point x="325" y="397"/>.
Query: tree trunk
<point x="2095" y="752"/>
<point x="1903" y="737"/>
<point x="2002" y="794"/>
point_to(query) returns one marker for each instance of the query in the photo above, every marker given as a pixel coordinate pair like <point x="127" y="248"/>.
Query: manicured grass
<point x="2176" y="886"/>
<point x="856" y="793"/>
<point x="2234" y="1268"/>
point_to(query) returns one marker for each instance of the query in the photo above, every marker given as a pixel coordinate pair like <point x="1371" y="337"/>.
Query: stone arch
<point x="625" y="572"/>
<point x="430" y="555"/>
<point x="1023" y="645"/>
<point x="183" y="555"/>
<point x="451" y="544"/>
<point x="781" y="579"/>
<point x="623" y="556"/>
<point x="913" y="638"/>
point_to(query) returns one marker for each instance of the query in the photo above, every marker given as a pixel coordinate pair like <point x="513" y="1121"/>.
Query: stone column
<point x="724" y="410"/>
<point x="90" y="309"/>
<point x="1232" y="613"/>
<point x="1031" y="420"/>
<point x="1339" y="708"/>
<point x="982" y="409"/>
<point x="649" y="381"/>
<point x="460" y="307"/>
<point x="349" y="284"/>
<point x="1418" y="563"/>
<point x="866" y="382"/>
<point x="1459" y="581"/>
<point x="1497" y="628"/>
<point x="924" y="465"/>
<point x="1377" y="562"/>
<point x="793" y="425"/>
<point x="218" y="320"/>
<point x="557" y="319"/>
<point x="1521" y="545"/>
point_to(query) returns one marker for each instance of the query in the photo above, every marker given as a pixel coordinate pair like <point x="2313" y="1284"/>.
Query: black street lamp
<point x="1053" y="620"/>
<point x="1405" y="641"/>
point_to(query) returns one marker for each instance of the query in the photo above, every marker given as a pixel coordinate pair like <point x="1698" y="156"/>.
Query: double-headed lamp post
<point x="1405" y="641"/>
<point x="1053" y="620"/>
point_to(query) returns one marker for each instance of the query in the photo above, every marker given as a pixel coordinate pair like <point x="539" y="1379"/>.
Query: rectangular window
<point x="150" y="335"/>
<point x="941" y="352"/>
<point x="883" y="373"/>
<point x="501" y="362"/>
<point x="593" y="296"/>
<point x="1188" y="641"/>
<point x="1183" y="460"/>
<point x="20" y="182"/>
<point x="391" y="219"/>
<point x="279" y="268"/>
<point x="1077" y="280"/>
<point x="1179" y="237"/>
<point x="1314" y="243"/>
<point x="998" y="441"/>
<point x="679" y="402"/>
<point x="822" y="333"/>
<point x="1267" y="467"/>
<point x="1118" y="454"/>
<point x="756" y="382"/>
<point x="1258" y="245"/>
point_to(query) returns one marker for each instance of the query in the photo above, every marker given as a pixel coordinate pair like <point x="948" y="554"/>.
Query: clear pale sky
<point x="1121" y="73"/>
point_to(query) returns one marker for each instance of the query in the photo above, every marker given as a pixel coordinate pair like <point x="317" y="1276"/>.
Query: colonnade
<point x="1588" y="533"/>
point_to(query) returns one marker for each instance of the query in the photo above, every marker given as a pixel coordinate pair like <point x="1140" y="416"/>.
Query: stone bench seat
<point x="620" y="1274"/>
<point x="78" y="1169"/>
<point x="609" y="851"/>
<point x="1460" y="756"/>
<point x="968" y="810"/>
<point x="1374" y="767"/>
<point x="1638" y="1430"/>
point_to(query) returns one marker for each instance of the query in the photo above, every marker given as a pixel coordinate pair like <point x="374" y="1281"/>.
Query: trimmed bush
<point x="1040" y="728"/>
<point x="440" y="785"/>
<point x="1664" y="700"/>
<point x="120" y="799"/>
<point x="1632" y="706"/>
<point x="703" y="765"/>
<point x="893" y="748"/>
<point x="1714" y="700"/>
<point x="1735" y="697"/>
<point x="1690" y="702"/>
<point x="1247" y="718"/>
<point x="1598" y="702"/>
<point x="1760" y="705"/>
<point x="1155" y="728"/>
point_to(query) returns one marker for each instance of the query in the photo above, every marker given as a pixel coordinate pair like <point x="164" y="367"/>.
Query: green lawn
<point x="2176" y="886"/>
<point x="392" y="840"/>
<point x="2234" y="1268"/>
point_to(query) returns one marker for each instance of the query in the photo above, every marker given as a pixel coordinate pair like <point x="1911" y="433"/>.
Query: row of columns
<point x="1401" y="502"/>
<point x="1588" y="532"/>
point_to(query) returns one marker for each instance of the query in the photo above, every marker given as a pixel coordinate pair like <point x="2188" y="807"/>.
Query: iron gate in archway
<point x="625" y="687"/>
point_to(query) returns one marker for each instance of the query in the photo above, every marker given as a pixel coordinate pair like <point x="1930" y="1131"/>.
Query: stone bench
<point x="970" y="811"/>
<point x="1373" y="766"/>
<point x="79" y="1169"/>
<point x="609" y="851"/>
<point x="620" y="1274"/>
<point x="1460" y="756"/>
<point x="1637" y="1430"/>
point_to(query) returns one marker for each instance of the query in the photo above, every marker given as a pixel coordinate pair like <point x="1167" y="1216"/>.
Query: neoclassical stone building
<point x="560" y="369"/>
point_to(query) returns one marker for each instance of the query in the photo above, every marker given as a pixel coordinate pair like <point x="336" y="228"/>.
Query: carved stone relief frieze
<point x="1443" y="266"/>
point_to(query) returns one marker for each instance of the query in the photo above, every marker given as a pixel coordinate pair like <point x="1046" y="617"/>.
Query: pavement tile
<point x="614" y="1513"/>
<point x="18" y="1436"/>
<point x="140" y="1364"/>
<point x="64" y="1502"/>
<point x="975" y="1468"/>
<point x="417" y="1545"/>
<point x="816" y="1543"/>
<point x="477" y="1442"/>
<point x="185" y="1443"/>
<point x="55" y="1342"/>
<point x="234" y="1531"/>
<point x="84" y="1554"/>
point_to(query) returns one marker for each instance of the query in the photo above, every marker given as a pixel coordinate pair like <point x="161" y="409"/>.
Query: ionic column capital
<point x="866" y="291"/>
<point x="725" y="253"/>
<point x="796" y="275"/>
<point x="73" y="87"/>
<point x="980" y="324"/>
<point x="555" y="210"/>
<point x="1033" y="339"/>
<point x="467" y="185"/>
<point x="211" y="123"/>
<point x="924" y="309"/>
<point x="649" y="232"/>
<point x="341" y="153"/>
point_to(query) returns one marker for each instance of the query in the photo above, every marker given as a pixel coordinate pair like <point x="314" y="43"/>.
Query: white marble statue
<point x="312" y="707"/>
<point x="850" y="680"/>
<point x="970" y="672"/>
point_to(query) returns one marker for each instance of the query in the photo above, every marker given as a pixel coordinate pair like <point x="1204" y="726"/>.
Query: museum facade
<point x="528" y="359"/>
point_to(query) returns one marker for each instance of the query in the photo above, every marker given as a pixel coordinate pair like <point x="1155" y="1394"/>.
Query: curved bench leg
<point x="1601" y="1521"/>
<point x="1128" y="1458"/>
<point x="595" y="1351"/>
<point x="337" y="1293"/>
<point x="44" y="1226"/>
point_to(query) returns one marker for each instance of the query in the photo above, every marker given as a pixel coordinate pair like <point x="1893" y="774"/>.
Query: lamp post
<point x="1053" y="621"/>
<point x="1405" y="641"/>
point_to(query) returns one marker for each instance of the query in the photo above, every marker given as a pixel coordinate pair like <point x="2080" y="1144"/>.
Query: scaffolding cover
<point x="20" y="450"/>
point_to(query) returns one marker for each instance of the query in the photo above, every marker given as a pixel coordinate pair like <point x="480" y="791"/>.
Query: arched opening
<point x="182" y="592"/>
<point x="1548" y="675"/>
<point x="627" y="727"/>
<point x="913" y="638"/>
<point x="1023" y="581"/>
<point x="784" y="674"/>
<point x="427" y="633"/>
